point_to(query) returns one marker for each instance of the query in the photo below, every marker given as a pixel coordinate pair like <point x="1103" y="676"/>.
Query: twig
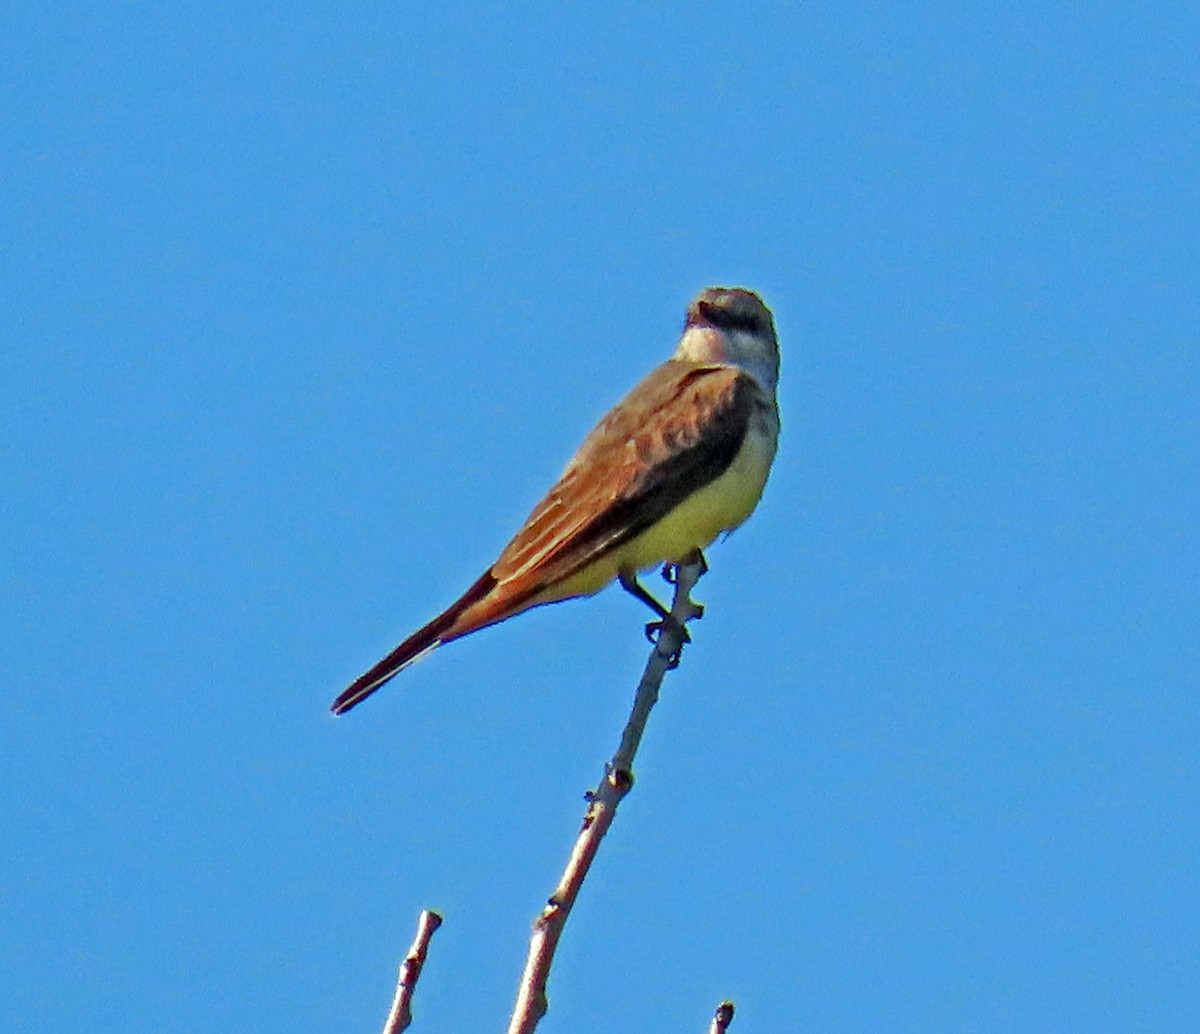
<point x="602" y="805"/>
<point x="722" y="1018"/>
<point x="400" y="1015"/>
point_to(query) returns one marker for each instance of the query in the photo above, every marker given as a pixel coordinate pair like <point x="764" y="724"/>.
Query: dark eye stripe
<point x="728" y="319"/>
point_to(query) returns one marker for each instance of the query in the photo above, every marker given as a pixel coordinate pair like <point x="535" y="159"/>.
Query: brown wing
<point x="679" y="429"/>
<point x="676" y="431"/>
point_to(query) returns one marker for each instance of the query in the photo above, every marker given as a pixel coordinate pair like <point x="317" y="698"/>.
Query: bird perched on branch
<point x="683" y="457"/>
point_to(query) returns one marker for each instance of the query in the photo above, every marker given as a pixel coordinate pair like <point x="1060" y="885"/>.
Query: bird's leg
<point x="635" y="588"/>
<point x="638" y="591"/>
<point x="695" y="557"/>
<point x="670" y="573"/>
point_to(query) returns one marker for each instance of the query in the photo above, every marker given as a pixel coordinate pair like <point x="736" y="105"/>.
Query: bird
<point x="681" y="459"/>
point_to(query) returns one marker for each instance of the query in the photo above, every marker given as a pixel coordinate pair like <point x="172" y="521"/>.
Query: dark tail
<point x="414" y="647"/>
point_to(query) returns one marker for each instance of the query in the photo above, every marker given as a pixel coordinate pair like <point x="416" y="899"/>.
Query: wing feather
<point x="680" y="428"/>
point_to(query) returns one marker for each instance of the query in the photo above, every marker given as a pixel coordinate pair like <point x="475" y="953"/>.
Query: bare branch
<point x="602" y="804"/>
<point x="400" y="1015"/>
<point x="722" y="1018"/>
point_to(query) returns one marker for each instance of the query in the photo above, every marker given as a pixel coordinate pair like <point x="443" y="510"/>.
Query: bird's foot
<point x="655" y="629"/>
<point x="670" y="572"/>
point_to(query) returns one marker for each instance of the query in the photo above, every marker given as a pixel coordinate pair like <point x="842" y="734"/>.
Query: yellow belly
<point x="719" y="506"/>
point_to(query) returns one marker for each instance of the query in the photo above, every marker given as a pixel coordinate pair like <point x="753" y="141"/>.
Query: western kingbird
<point x="682" y="458"/>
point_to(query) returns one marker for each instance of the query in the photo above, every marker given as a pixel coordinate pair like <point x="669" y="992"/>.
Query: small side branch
<point x="722" y="1018"/>
<point x="602" y="804"/>
<point x="400" y="1015"/>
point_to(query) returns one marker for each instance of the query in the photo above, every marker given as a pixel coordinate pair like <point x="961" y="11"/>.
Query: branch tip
<point x="400" y="1014"/>
<point x="722" y="1018"/>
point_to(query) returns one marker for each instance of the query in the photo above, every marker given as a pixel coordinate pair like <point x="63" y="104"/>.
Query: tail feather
<point x="438" y="631"/>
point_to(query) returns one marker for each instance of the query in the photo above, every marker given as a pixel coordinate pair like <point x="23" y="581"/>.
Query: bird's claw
<point x="670" y="572"/>
<point x="654" y="629"/>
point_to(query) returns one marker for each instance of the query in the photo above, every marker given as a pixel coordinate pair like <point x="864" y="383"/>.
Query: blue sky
<point x="307" y="305"/>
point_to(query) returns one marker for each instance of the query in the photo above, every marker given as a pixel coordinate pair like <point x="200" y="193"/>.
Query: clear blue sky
<point x="304" y="306"/>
